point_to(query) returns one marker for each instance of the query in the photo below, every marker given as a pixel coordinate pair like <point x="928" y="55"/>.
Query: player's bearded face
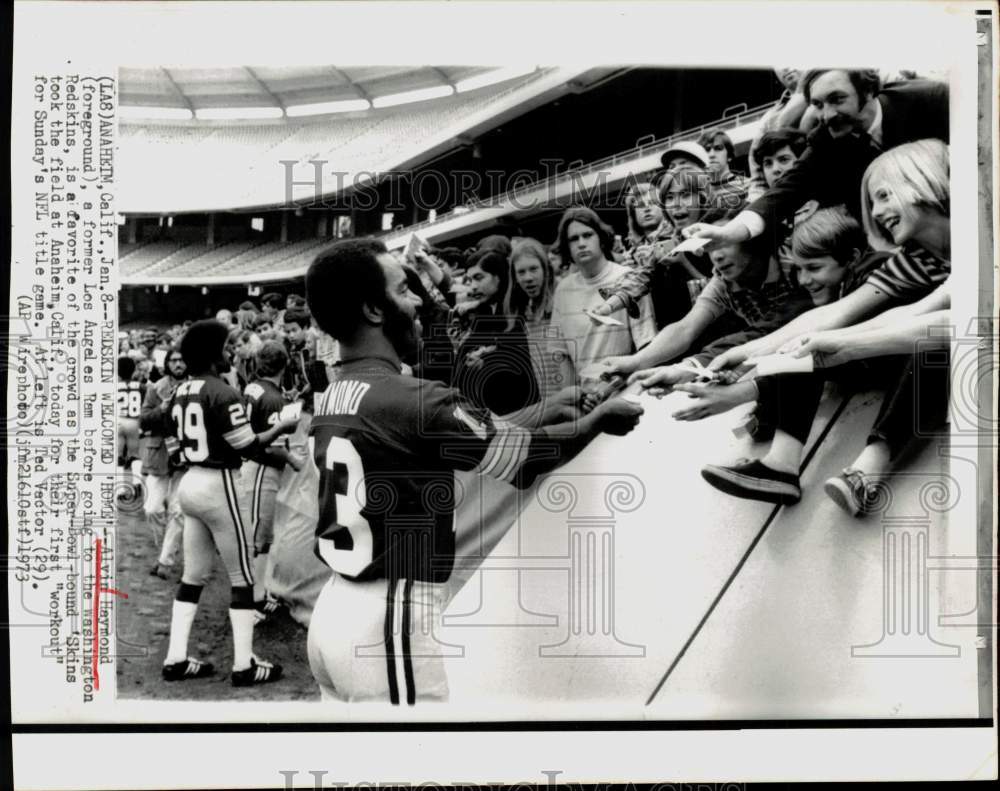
<point x="400" y="328"/>
<point x="399" y="310"/>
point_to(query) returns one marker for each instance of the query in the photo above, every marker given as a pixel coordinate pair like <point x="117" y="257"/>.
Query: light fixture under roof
<point x="419" y="95"/>
<point x="322" y="108"/>
<point x="152" y="113"/>
<point x="238" y="113"/>
<point x="493" y="77"/>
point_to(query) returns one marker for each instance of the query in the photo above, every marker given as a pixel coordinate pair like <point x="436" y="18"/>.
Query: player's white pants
<point x="128" y="438"/>
<point x="260" y="488"/>
<point x="216" y="517"/>
<point x="374" y="641"/>
<point x="163" y="510"/>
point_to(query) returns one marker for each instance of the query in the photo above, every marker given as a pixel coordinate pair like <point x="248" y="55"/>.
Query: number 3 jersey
<point x="207" y="419"/>
<point x="386" y="446"/>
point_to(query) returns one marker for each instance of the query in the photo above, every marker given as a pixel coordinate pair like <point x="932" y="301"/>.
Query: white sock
<point x="181" y="620"/>
<point x="785" y="454"/>
<point x="242" y="622"/>
<point x="259" y="570"/>
<point x="873" y="460"/>
<point x="136" y="468"/>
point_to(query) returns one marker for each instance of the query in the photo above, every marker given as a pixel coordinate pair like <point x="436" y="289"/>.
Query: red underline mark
<point x="98" y="590"/>
<point x="97" y="605"/>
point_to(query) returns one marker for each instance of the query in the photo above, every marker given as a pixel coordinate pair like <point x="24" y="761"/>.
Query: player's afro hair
<point x="341" y="281"/>
<point x="126" y="368"/>
<point x="203" y="344"/>
<point x="271" y="358"/>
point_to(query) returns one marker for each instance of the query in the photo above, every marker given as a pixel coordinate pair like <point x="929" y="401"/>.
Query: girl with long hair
<point x="532" y="286"/>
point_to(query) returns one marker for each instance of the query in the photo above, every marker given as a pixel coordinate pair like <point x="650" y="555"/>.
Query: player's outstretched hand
<point x="588" y="402"/>
<point x="296" y="461"/>
<point x="567" y="396"/>
<point x="618" y="416"/>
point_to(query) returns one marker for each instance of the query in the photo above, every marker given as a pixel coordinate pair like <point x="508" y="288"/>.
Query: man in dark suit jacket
<point x="858" y="120"/>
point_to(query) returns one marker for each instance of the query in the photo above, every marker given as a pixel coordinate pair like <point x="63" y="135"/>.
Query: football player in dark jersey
<point x="209" y="428"/>
<point x="129" y="396"/>
<point x="386" y="447"/>
<point x="261" y="472"/>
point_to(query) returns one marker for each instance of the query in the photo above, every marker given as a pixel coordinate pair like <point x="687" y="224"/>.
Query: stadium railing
<point x="290" y="262"/>
<point x="746" y="118"/>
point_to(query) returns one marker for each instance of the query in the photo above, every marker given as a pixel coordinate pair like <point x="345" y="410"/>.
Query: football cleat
<point x="259" y="672"/>
<point x="265" y="609"/>
<point x="187" y="669"/>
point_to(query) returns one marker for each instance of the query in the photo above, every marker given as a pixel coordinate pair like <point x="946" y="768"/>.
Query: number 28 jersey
<point x="386" y="446"/>
<point x="207" y="418"/>
<point x="130" y="395"/>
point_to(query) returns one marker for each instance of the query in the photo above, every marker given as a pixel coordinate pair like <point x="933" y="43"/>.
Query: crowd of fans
<point x="284" y="319"/>
<point x="833" y="250"/>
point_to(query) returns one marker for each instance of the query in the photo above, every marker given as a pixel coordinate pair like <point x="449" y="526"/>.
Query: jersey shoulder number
<point x="129" y="396"/>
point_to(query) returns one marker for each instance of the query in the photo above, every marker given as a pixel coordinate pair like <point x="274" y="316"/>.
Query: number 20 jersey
<point x="386" y="446"/>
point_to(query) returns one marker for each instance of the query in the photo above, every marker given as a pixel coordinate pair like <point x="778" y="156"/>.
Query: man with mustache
<point x="858" y="119"/>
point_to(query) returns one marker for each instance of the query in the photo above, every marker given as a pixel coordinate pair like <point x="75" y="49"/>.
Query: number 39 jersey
<point x="208" y="420"/>
<point x="386" y="446"/>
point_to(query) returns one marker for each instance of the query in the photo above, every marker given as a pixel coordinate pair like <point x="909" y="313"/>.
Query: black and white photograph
<point x="415" y="438"/>
<point x="620" y="389"/>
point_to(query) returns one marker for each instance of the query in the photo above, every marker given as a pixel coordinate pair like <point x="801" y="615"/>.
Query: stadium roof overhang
<point x="514" y="97"/>
<point x="221" y="93"/>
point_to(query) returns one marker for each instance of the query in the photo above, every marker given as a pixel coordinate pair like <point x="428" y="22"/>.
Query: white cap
<point x="687" y="148"/>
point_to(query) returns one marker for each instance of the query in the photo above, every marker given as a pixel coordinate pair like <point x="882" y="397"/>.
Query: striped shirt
<point x="910" y="273"/>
